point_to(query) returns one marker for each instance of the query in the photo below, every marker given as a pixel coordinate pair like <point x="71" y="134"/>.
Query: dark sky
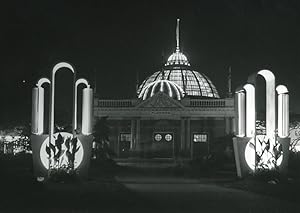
<point x="118" y="39"/>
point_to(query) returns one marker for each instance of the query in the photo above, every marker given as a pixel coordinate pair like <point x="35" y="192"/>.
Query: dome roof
<point x="165" y="86"/>
<point x="178" y="70"/>
<point x="192" y="82"/>
<point x="177" y="58"/>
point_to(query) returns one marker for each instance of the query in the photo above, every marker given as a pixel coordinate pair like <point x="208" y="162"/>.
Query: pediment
<point x="160" y="100"/>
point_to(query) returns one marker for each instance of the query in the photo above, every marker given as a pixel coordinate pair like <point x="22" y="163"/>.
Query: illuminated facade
<point x="177" y="113"/>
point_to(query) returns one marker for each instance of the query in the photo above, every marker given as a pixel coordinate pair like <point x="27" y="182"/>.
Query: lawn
<point x="21" y="193"/>
<point x="102" y="193"/>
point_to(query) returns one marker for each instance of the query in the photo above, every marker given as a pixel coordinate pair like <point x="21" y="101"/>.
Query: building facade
<point x="177" y="113"/>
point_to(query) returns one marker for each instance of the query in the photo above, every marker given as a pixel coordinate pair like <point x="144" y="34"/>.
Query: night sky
<point x="116" y="40"/>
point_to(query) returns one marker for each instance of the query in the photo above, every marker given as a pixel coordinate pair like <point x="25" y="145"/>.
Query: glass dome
<point x="168" y="87"/>
<point x="178" y="70"/>
<point x="192" y="82"/>
<point x="177" y="58"/>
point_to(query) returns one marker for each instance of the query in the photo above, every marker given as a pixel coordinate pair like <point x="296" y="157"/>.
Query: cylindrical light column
<point x="283" y="111"/>
<point x="40" y="110"/>
<point x="79" y="81"/>
<point x="241" y="120"/>
<point x="34" y="111"/>
<point x="286" y="120"/>
<point x="37" y="122"/>
<point x="87" y="111"/>
<point x="250" y="110"/>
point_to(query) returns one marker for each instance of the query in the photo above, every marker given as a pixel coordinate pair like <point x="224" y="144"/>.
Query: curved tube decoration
<point x="52" y="94"/>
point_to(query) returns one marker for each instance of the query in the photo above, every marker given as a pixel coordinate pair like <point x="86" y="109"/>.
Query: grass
<point x="21" y="193"/>
<point x="271" y="183"/>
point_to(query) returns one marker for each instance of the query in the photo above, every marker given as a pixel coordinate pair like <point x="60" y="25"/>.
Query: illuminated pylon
<point x="246" y="112"/>
<point x="41" y="141"/>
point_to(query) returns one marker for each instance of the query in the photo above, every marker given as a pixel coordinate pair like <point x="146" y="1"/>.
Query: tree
<point x="101" y="130"/>
<point x="24" y="140"/>
<point x="101" y="135"/>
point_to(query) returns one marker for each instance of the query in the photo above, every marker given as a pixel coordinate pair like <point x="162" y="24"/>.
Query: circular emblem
<point x="261" y="152"/>
<point x="62" y="152"/>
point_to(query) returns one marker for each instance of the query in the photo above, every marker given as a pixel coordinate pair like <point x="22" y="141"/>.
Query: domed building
<point x="178" y="112"/>
<point x="178" y="70"/>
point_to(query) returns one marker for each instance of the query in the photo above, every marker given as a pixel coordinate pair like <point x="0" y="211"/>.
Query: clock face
<point x="265" y="157"/>
<point x="62" y="158"/>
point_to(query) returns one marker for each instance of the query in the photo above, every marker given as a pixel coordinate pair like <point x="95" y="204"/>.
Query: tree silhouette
<point x="101" y="135"/>
<point x="101" y="130"/>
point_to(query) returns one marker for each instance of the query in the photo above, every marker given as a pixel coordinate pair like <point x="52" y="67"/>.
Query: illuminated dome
<point x="165" y="86"/>
<point x="177" y="58"/>
<point x="179" y="71"/>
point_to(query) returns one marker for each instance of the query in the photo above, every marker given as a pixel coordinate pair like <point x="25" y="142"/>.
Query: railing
<point x="185" y="102"/>
<point x="211" y="103"/>
<point x="114" y="103"/>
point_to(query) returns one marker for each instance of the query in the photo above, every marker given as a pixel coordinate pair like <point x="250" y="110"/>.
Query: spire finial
<point x="229" y="93"/>
<point x="177" y="36"/>
<point x="162" y="66"/>
<point x="95" y="82"/>
<point x="137" y="80"/>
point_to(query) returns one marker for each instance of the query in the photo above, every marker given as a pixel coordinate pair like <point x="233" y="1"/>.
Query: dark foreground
<point x="124" y="189"/>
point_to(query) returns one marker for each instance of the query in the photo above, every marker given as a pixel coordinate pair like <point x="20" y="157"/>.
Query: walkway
<point x="190" y="195"/>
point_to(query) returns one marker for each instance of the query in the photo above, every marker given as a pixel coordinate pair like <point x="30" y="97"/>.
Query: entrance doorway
<point x="163" y="144"/>
<point x="124" y="145"/>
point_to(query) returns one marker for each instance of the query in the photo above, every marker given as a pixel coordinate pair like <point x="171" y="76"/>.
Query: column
<point x="182" y="134"/>
<point x="250" y="110"/>
<point x="118" y="138"/>
<point x="240" y="112"/>
<point x="233" y="127"/>
<point x="227" y="125"/>
<point x="283" y="111"/>
<point x="283" y="115"/>
<point x="189" y="143"/>
<point x="138" y="132"/>
<point x="133" y="134"/>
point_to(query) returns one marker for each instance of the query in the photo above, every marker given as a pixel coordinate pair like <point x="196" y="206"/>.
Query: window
<point x="163" y="137"/>
<point x="168" y="137"/>
<point x="157" y="137"/>
<point x="125" y="137"/>
<point x="200" y="137"/>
